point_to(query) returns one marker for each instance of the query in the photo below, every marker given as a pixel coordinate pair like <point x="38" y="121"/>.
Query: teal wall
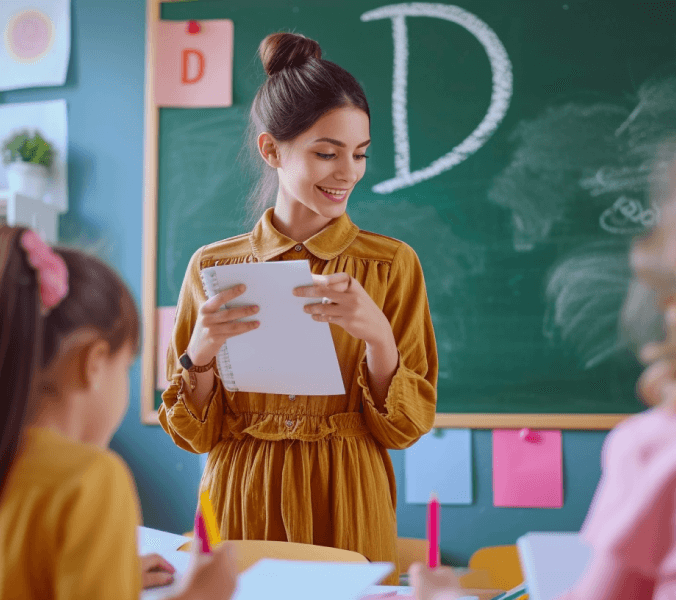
<point x="104" y="91"/>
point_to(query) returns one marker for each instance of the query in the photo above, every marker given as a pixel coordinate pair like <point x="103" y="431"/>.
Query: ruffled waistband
<point x="307" y="428"/>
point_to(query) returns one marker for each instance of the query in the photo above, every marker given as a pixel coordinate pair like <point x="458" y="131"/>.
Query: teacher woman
<point x="309" y="469"/>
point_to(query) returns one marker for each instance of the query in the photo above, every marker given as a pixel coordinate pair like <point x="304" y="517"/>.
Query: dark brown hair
<point x="97" y="300"/>
<point x="301" y="87"/>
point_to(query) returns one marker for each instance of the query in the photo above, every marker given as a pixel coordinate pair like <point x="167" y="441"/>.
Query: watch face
<point x="185" y="361"/>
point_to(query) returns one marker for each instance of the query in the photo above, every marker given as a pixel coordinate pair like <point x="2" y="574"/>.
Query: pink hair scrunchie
<point x="51" y="268"/>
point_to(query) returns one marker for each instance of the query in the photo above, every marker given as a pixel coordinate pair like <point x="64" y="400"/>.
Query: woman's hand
<point x="155" y="571"/>
<point x="350" y="307"/>
<point x="214" y="326"/>
<point x="210" y="576"/>
<point x="440" y="583"/>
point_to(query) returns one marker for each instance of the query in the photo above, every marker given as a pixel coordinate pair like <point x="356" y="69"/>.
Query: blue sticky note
<point x="440" y="462"/>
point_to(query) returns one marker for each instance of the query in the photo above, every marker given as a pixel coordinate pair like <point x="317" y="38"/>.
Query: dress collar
<point x="267" y="242"/>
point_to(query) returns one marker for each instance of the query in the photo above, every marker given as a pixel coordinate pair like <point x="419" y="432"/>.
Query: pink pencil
<point x="433" y="510"/>
<point x="201" y="533"/>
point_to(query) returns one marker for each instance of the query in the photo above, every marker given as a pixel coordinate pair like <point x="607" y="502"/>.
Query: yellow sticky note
<point x="209" y="519"/>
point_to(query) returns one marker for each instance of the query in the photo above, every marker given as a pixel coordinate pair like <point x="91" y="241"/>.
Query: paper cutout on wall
<point x="165" y="325"/>
<point x="194" y="70"/>
<point x="50" y="118"/>
<point x="35" y="46"/>
<point x="527" y="468"/>
<point x="441" y="462"/>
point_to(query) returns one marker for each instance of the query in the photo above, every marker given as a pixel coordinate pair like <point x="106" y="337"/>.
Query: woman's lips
<point x="333" y="198"/>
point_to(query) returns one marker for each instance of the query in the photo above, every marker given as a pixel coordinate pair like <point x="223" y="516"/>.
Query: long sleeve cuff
<point x="409" y="410"/>
<point x="193" y="429"/>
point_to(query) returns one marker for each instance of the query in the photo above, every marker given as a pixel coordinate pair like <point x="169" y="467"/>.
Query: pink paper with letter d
<point x="527" y="468"/>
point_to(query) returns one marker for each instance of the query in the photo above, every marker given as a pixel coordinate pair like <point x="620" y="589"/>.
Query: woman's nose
<point x="347" y="171"/>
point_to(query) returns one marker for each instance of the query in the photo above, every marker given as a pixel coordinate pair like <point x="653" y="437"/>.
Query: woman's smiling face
<point x="321" y="166"/>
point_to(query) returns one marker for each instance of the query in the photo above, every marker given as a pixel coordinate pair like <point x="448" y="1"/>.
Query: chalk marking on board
<point x="585" y="294"/>
<point x="627" y="215"/>
<point x="501" y="69"/>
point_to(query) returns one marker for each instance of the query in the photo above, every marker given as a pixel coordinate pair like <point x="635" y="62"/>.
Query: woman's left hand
<point x="156" y="571"/>
<point x="350" y="307"/>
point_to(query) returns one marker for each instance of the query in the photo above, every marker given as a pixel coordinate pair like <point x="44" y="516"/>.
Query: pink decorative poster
<point x="527" y="468"/>
<point x="35" y="43"/>
<point x="165" y="325"/>
<point x="194" y="63"/>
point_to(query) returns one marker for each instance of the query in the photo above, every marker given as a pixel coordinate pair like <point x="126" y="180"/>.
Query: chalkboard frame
<point x="149" y="414"/>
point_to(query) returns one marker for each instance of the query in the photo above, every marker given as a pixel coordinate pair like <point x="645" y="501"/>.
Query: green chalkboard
<point x="522" y="223"/>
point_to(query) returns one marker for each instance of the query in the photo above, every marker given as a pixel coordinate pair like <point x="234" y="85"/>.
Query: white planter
<point x="28" y="179"/>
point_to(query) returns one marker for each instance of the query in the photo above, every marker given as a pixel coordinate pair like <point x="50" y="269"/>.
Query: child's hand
<point x="440" y="583"/>
<point x="657" y="384"/>
<point x="210" y="576"/>
<point x="155" y="571"/>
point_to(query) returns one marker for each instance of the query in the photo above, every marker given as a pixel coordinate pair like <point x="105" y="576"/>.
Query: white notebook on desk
<point x="290" y="352"/>
<point x="552" y="563"/>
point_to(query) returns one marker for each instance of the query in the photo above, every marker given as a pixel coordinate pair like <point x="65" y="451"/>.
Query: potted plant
<point x="29" y="161"/>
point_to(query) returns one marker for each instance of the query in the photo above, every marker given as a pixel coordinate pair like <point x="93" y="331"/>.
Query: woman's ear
<point x="269" y="150"/>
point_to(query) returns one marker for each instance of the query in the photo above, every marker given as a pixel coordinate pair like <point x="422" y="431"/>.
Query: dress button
<point x="298" y="248"/>
<point x="289" y="424"/>
<point x="292" y="397"/>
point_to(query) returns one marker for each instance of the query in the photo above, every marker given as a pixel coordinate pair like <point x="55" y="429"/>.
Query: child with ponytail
<point x="69" y="331"/>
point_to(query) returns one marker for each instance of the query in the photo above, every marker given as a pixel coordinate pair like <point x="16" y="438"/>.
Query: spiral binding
<point x="210" y="283"/>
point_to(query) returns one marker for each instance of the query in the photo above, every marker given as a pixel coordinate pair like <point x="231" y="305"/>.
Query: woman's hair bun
<point x="280" y="51"/>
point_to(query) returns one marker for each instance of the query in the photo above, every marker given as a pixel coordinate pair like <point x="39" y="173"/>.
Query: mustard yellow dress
<point x="312" y="469"/>
<point x="68" y="520"/>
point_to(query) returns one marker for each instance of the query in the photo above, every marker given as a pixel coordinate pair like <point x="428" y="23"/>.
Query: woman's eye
<point x="361" y="156"/>
<point x="325" y="156"/>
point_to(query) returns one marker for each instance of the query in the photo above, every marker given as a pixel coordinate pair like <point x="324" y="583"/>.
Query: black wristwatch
<point x="188" y="365"/>
<point x="185" y="361"/>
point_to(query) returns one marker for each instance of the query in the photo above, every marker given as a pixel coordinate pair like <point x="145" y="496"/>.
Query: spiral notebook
<point x="290" y="353"/>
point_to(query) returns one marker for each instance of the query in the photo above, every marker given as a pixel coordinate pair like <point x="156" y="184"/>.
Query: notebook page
<point x="304" y="580"/>
<point x="290" y="353"/>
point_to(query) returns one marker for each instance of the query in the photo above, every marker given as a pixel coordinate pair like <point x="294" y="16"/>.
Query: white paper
<point x="291" y="580"/>
<point x="154" y="541"/>
<point x="51" y="120"/>
<point x="34" y="43"/>
<point x="290" y="352"/>
<point x="304" y="580"/>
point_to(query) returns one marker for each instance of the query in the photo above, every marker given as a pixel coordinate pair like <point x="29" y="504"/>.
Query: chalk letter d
<point x="502" y="89"/>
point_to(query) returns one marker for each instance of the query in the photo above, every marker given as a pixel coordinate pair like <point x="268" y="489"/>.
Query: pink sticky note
<point x="194" y="70"/>
<point x="165" y="325"/>
<point x="527" y="468"/>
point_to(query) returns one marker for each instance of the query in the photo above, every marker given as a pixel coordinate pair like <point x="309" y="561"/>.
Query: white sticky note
<point x="440" y="462"/>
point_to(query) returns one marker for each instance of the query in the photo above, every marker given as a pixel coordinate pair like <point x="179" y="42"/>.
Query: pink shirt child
<point x="631" y="524"/>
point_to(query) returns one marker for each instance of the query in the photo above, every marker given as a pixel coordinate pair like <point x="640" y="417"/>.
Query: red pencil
<point x="433" y="517"/>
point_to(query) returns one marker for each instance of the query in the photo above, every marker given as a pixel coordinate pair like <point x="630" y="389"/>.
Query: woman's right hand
<point x="215" y="326"/>
<point x="210" y="576"/>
